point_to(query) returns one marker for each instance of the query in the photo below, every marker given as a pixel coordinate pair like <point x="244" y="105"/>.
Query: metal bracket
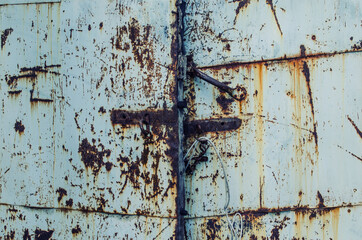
<point x="238" y="93"/>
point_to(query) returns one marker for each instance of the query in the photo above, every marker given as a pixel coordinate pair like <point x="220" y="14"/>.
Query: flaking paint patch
<point x="4" y="36"/>
<point x="19" y="127"/>
<point x="92" y="155"/>
<point x="242" y="4"/>
<point x="43" y="235"/>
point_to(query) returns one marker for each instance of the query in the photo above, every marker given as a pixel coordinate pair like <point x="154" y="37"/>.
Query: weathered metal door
<point x="89" y="129"/>
<point x="92" y="139"/>
<point x="294" y="163"/>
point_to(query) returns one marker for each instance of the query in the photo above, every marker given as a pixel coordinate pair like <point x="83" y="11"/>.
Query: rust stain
<point x="102" y="110"/>
<point x="4" y="36"/>
<point x="76" y="115"/>
<point x="259" y="131"/>
<point x="136" y="170"/>
<point x="153" y="117"/>
<point x="14" y="92"/>
<point x="10" y="236"/>
<point x="357" y="46"/>
<point x="62" y="192"/>
<point x="313" y="215"/>
<point x="19" y="127"/>
<point x="335" y="221"/>
<point x="270" y="3"/>
<point x="224" y="103"/>
<point x="302" y="50"/>
<point x="141" y="42"/>
<point x="76" y="230"/>
<point x="92" y="155"/>
<point x="11" y="80"/>
<point x="253" y="237"/>
<point x="35" y="99"/>
<point x="277" y="228"/>
<point x="69" y="202"/>
<point x="355" y="127"/>
<point x="241" y="5"/>
<point x="321" y="200"/>
<point x="26" y="235"/>
<point x="212" y="228"/>
<point x="43" y="235"/>
<point x="118" y="41"/>
<point x="307" y="79"/>
<point x="31" y="73"/>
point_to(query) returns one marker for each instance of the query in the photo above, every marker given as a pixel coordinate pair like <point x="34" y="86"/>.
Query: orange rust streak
<point x="335" y="222"/>
<point x="259" y="82"/>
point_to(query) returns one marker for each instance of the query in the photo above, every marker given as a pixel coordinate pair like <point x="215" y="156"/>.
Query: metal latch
<point x="238" y="93"/>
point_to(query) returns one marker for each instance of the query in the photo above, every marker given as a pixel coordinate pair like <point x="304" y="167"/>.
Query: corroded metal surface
<point x="219" y="32"/>
<point x="29" y="223"/>
<point x="330" y="223"/>
<point x="66" y="69"/>
<point x="295" y="141"/>
<point x="298" y="148"/>
<point x="95" y="96"/>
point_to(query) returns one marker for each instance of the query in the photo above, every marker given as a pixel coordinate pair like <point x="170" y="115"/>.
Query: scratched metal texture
<point x="66" y="69"/>
<point x="333" y="223"/>
<point x="298" y="148"/>
<point x="219" y="32"/>
<point x="27" y="223"/>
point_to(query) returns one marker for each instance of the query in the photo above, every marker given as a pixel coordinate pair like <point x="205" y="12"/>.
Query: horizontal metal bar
<point x="282" y="59"/>
<point x="19" y="2"/>
<point x="84" y="211"/>
<point x="273" y="211"/>
<point x="238" y="93"/>
<point x="211" y="80"/>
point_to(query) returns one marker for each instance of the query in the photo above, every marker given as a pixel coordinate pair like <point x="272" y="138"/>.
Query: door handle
<point x="238" y="93"/>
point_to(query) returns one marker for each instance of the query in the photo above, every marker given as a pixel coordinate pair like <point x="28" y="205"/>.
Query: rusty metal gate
<point x="102" y="100"/>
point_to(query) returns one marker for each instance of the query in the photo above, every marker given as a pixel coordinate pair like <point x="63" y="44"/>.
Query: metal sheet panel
<point x="69" y="71"/>
<point x="116" y="55"/>
<point x="298" y="147"/>
<point x="219" y="32"/>
<point x="298" y="144"/>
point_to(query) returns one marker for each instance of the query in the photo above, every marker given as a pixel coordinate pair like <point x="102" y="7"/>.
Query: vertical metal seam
<point x="180" y="77"/>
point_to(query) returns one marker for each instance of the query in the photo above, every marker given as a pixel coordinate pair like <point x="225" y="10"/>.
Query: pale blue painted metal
<point x="298" y="149"/>
<point x="64" y="68"/>
<point x="67" y="170"/>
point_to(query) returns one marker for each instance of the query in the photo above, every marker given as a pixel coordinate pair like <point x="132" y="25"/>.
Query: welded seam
<point x="280" y="59"/>
<point x="84" y="211"/>
<point x="276" y="211"/>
